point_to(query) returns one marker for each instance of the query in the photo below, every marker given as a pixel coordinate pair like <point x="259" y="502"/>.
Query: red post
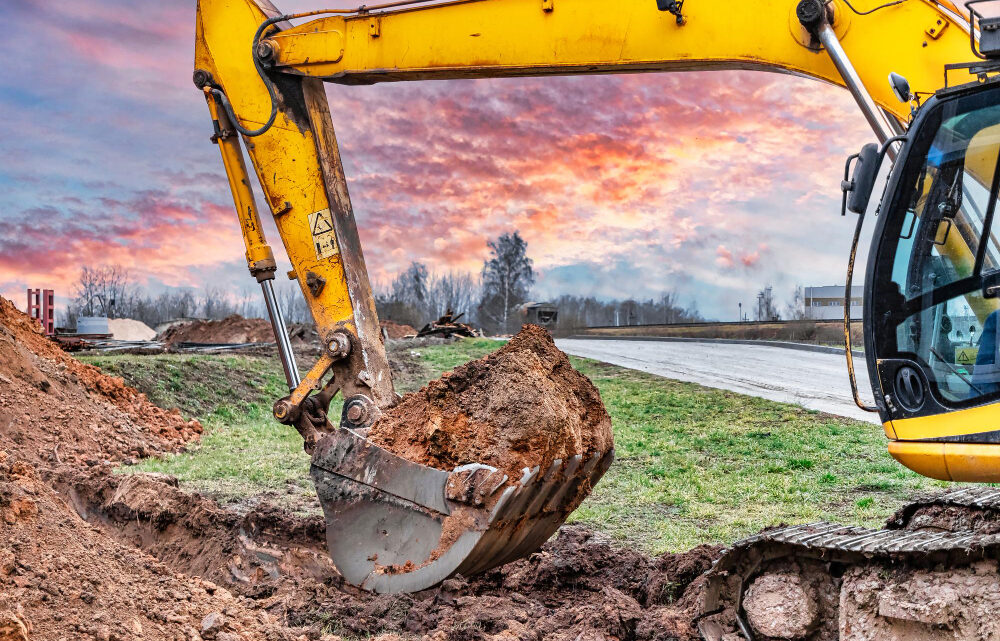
<point x="49" y="311"/>
<point x="41" y="307"/>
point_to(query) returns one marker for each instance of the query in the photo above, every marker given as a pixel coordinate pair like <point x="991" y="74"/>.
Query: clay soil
<point x="395" y="331"/>
<point x="88" y="554"/>
<point x="520" y="407"/>
<point x="55" y="409"/>
<point x="233" y="330"/>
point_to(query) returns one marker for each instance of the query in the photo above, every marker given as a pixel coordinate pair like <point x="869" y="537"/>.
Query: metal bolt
<point x="355" y="413"/>
<point x="201" y="78"/>
<point x="811" y="13"/>
<point x="339" y="345"/>
<point x="282" y="409"/>
<point x="266" y="50"/>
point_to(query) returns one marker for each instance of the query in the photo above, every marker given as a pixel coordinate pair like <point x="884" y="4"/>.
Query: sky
<point x="707" y="184"/>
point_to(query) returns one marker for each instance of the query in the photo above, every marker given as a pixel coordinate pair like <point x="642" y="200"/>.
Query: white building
<point x="827" y="302"/>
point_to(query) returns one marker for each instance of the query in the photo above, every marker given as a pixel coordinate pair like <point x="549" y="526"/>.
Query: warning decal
<point x="966" y="355"/>
<point x="324" y="237"/>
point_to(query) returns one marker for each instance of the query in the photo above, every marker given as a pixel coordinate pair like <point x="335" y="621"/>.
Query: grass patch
<point x="694" y="465"/>
<point x="197" y="385"/>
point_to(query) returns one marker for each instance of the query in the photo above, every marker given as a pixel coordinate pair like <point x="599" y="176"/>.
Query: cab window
<point x="939" y="275"/>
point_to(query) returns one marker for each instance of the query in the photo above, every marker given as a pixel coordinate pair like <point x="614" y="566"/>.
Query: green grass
<point x="694" y="465"/>
<point x="197" y="385"/>
<point x="243" y="452"/>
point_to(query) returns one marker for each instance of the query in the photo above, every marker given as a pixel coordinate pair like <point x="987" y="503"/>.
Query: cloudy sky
<point x="707" y="184"/>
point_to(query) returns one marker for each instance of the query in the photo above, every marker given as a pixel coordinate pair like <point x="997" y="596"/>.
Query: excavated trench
<point x="578" y="584"/>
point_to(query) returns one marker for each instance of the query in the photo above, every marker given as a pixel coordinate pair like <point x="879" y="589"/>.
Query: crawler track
<point x="937" y="540"/>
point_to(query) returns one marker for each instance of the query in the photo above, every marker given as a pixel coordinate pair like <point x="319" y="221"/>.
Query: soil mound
<point x="232" y="330"/>
<point x="53" y="408"/>
<point x="395" y="330"/>
<point x="128" y="329"/>
<point x="62" y="579"/>
<point x="522" y="406"/>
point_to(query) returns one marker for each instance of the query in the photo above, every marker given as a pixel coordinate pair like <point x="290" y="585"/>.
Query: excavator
<point x="931" y="302"/>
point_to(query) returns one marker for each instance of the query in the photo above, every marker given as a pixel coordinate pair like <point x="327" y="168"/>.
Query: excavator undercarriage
<point x="931" y="574"/>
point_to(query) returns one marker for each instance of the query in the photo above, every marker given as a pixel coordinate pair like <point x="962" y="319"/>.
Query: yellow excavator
<point x="932" y="335"/>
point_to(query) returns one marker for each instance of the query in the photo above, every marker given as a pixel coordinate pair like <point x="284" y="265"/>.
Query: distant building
<point x="827" y="302"/>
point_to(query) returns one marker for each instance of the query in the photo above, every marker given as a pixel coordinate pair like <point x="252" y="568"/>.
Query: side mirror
<point x="858" y="191"/>
<point x="900" y="87"/>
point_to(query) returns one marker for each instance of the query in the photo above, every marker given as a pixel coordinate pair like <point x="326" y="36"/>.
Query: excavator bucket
<point x="398" y="526"/>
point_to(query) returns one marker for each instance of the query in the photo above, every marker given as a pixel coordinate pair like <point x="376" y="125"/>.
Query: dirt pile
<point x="128" y="329"/>
<point x="392" y="329"/>
<point x="62" y="579"/>
<point x="233" y="330"/>
<point x="579" y="586"/>
<point x="56" y="409"/>
<point x="522" y="406"/>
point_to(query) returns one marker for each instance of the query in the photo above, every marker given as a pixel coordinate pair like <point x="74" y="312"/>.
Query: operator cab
<point x="932" y="308"/>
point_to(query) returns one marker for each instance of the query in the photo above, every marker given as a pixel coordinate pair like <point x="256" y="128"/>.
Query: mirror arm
<point x="847" y="318"/>
<point x="846" y="186"/>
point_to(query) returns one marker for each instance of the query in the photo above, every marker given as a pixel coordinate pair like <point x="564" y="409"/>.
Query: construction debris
<point x="448" y="326"/>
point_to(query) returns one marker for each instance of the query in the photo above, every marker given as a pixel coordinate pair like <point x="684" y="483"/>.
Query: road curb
<point x="804" y="347"/>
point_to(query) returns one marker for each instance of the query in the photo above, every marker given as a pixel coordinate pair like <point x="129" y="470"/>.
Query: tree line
<point x="491" y="299"/>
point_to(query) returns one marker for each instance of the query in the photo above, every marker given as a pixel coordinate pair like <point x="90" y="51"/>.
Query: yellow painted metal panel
<point x="973" y="420"/>
<point x="926" y="459"/>
<point x="962" y="462"/>
<point x="489" y="38"/>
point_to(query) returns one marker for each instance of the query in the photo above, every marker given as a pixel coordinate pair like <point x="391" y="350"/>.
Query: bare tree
<point x="507" y="276"/>
<point x="797" y="307"/>
<point x="455" y="291"/>
<point x="101" y="291"/>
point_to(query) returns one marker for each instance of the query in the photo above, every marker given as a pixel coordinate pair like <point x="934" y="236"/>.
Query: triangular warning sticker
<point x="322" y="222"/>
<point x="963" y="358"/>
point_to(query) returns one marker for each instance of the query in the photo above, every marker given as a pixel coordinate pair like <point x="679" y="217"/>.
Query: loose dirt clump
<point x="522" y="406"/>
<point x="230" y="330"/>
<point x="578" y="586"/>
<point x="392" y="329"/>
<point x="56" y="409"/>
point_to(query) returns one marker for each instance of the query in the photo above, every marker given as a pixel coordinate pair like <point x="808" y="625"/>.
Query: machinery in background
<point x="543" y="314"/>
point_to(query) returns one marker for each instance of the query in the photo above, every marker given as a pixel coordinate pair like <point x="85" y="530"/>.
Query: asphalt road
<point x="814" y="380"/>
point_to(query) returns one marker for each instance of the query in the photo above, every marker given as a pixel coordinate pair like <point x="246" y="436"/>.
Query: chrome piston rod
<point x="281" y="335"/>
<point x="873" y="114"/>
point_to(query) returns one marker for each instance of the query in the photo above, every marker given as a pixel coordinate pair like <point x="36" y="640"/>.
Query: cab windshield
<point x="938" y="278"/>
